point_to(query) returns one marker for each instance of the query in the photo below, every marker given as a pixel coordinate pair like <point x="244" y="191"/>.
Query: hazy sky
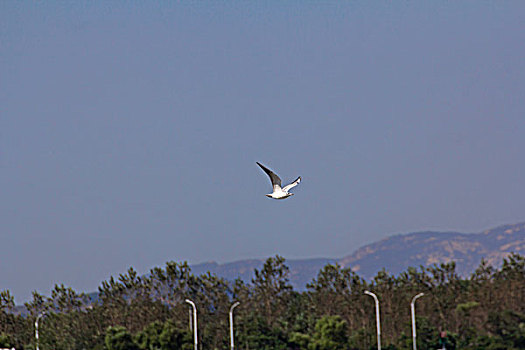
<point x="129" y="131"/>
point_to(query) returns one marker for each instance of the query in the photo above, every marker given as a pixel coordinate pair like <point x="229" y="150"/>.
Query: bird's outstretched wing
<point x="276" y="180"/>
<point x="292" y="185"/>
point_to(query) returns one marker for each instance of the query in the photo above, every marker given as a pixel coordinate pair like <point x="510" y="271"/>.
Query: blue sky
<point x="129" y="131"/>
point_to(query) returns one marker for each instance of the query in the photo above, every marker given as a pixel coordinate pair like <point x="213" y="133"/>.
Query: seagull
<point x="278" y="192"/>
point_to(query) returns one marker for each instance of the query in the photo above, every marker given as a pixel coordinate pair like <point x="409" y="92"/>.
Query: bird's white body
<point x="278" y="191"/>
<point x="279" y="194"/>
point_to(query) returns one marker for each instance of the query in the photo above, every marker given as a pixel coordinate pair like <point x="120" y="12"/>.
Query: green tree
<point x="257" y="334"/>
<point x="163" y="336"/>
<point x="510" y="327"/>
<point x="330" y="334"/>
<point x="271" y="289"/>
<point x="5" y="341"/>
<point x="118" y="338"/>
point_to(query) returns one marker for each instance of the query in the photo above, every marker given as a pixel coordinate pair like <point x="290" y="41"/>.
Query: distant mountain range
<point x="396" y="253"/>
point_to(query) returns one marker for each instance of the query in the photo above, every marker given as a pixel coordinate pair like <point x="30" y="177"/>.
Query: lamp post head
<point x="234" y="306"/>
<point x="38" y="317"/>
<point x="371" y="294"/>
<point x="417" y="296"/>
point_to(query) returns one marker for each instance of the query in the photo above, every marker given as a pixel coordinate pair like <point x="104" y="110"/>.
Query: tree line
<point x="131" y="312"/>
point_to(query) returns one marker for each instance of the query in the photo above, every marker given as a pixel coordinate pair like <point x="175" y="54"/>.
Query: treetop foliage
<point x="484" y="311"/>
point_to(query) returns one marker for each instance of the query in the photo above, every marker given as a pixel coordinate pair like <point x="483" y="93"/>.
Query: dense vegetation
<point x="484" y="311"/>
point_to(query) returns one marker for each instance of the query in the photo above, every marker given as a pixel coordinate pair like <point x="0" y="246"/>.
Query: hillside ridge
<point x="395" y="254"/>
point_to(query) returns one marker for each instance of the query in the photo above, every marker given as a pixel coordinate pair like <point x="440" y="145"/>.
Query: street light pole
<point x="194" y="321"/>
<point x="231" y="324"/>
<point x="413" y="312"/>
<point x="377" y="319"/>
<point x="36" y="328"/>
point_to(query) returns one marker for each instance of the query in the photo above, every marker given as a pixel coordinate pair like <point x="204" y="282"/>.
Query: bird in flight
<point x="278" y="192"/>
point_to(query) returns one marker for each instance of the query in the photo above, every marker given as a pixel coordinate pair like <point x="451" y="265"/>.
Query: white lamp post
<point x="36" y="328"/>
<point x="231" y="324"/>
<point x="413" y="312"/>
<point x="194" y="321"/>
<point x="377" y="319"/>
